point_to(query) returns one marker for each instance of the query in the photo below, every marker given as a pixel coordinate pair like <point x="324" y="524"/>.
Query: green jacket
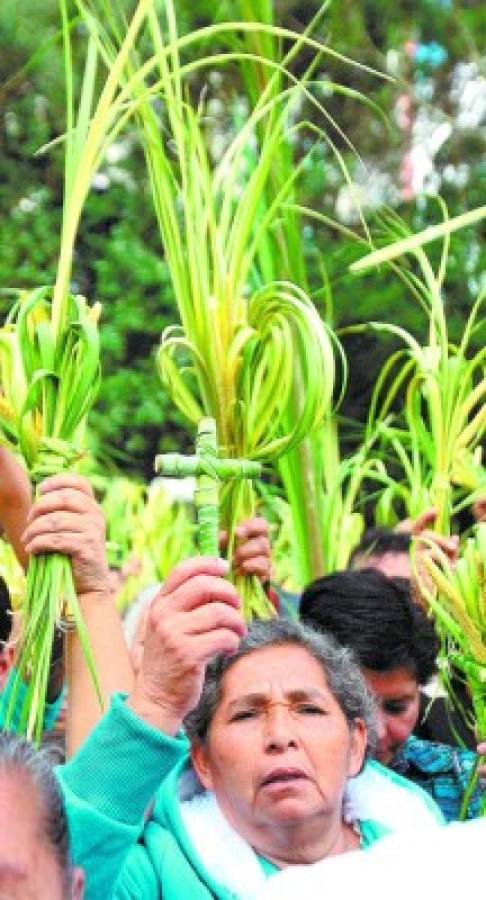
<point x="130" y="849"/>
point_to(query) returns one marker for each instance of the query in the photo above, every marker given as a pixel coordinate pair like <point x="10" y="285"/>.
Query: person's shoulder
<point x="138" y="877"/>
<point x="380" y="794"/>
<point x="433" y="757"/>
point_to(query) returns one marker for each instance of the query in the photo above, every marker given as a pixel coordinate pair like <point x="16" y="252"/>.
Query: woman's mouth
<point x="283" y="776"/>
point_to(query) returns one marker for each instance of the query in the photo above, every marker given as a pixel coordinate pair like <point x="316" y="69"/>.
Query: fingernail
<point x="223" y="565"/>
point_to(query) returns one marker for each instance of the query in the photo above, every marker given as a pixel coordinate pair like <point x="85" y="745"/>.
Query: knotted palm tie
<point x="210" y="470"/>
<point x="54" y="456"/>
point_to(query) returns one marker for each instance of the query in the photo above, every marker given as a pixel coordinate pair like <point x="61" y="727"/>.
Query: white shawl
<point x="234" y="864"/>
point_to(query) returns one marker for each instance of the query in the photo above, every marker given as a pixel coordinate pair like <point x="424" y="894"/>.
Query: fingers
<point x="481" y="751"/>
<point x="64" y="531"/>
<point x="479" y="510"/>
<point x="182" y="653"/>
<point x="252" y="551"/>
<point x="67" y="519"/>
<point x="215" y="642"/>
<point x="60" y="520"/>
<point x="72" y="543"/>
<point x="430" y="541"/>
<point x="253" y="558"/>
<point x="416" y="526"/>
<point x="66" y="480"/>
<point x="197" y="565"/>
<point x="216" y="616"/>
<point x="252" y="528"/>
<point x="194" y="592"/>
<point x="63" y="499"/>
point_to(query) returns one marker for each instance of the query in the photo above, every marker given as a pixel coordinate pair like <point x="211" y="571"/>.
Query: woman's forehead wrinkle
<point x="267" y="697"/>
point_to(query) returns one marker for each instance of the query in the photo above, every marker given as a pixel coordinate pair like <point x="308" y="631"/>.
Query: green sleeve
<point x="51" y="711"/>
<point x="107" y="787"/>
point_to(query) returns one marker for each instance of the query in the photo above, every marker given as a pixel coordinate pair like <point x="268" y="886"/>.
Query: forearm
<point x="107" y="787"/>
<point x="15" y="502"/>
<point x="112" y="665"/>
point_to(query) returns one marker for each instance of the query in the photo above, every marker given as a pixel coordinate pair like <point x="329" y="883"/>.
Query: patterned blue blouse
<point x="442" y="771"/>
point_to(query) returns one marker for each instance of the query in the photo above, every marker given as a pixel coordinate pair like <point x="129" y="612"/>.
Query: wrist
<point x="161" y="716"/>
<point x="95" y="595"/>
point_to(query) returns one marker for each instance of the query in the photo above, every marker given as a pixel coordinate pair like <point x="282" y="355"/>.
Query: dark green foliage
<point x="118" y="259"/>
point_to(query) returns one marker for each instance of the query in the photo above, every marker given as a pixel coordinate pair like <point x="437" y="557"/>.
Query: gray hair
<point x="20" y="758"/>
<point x="342" y="674"/>
<point x="131" y="617"/>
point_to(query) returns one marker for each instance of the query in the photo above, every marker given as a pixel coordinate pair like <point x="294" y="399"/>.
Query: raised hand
<point x="251" y="554"/>
<point x="195" y="616"/>
<point x="66" y="518"/>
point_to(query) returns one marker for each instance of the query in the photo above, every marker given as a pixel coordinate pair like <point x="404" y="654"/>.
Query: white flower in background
<point x="372" y="189"/>
<point x="100" y="181"/>
<point x="118" y="151"/>
<point x="468" y="92"/>
<point x="457" y="175"/>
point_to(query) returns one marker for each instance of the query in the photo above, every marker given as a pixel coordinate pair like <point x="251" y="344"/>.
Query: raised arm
<point x="113" y="777"/>
<point x="195" y="616"/>
<point x="67" y="518"/>
<point x="15" y="501"/>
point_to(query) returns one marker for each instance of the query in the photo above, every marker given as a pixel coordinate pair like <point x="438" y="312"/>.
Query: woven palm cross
<point x="210" y="470"/>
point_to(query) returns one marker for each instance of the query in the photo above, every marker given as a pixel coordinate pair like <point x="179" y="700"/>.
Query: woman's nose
<point x="279" y="729"/>
<point x="381" y="726"/>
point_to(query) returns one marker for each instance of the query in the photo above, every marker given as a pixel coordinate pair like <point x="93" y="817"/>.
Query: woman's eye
<point x="395" y="708"/>
<point x="243" y="714"/>
<point x="310" y="709"/>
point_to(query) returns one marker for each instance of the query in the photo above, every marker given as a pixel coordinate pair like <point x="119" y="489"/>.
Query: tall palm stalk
<point x="438" y="444"/>
<point x="50" y="369"/>
<point x="444" y="414"/>
<point x="244" y="343"/>
<point x="457" y="598"/>
<point x="323" y="489"/>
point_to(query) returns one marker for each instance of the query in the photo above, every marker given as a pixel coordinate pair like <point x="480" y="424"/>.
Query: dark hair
<point x="378" y="541"/>
<point x="375" y="616"/>
<point x="341" y="672"/>
<point x="5" y="613"/>
<point x="19" y="758"/>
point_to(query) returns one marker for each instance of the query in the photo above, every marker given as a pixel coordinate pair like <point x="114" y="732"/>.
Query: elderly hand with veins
<point x="195" y="616"/>
<point x="66" y="518"/>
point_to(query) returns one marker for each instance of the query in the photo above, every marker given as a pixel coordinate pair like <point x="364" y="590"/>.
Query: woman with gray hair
<point x="34" y="843"/>
<point x="279" y="721"/>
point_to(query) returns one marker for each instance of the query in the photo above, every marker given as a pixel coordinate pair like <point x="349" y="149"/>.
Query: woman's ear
<point x="7" y="654"/>
<point x="201" y="763"/>
<point x="78" y="880"/>
<point x="359" y="740"/>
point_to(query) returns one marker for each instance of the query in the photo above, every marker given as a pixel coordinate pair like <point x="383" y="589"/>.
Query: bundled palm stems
<point x="245" y="344"/>
<point x="438" y="444"/>
<point x="50" y="372"/>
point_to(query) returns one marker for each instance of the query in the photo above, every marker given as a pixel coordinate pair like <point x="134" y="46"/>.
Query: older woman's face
<point x="29" y="869"/>
<point x="279" y="749"/>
